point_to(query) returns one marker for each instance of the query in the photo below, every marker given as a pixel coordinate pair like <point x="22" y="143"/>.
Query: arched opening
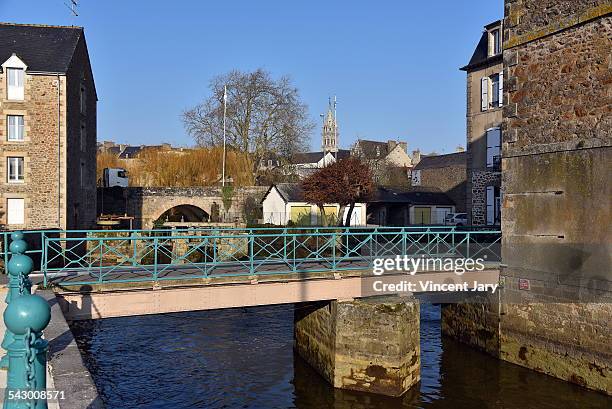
<point x="184" y="214"/>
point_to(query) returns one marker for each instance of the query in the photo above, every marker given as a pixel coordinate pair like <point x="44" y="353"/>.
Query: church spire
<point x="330" y="129"/>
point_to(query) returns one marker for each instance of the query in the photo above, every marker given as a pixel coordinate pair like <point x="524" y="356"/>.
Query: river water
<point x="243" y="358"/>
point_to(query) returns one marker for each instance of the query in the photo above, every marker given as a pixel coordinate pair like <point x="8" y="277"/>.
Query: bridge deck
<point x="230" y="291"/>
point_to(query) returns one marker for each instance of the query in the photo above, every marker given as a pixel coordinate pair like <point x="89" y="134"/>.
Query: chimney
<point x="416" y="157"/>
<point x="391" y="145"/>
<point x="404" y="146"/>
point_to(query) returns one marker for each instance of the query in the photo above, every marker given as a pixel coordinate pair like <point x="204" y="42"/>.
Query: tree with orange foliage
<point x="346" y="182"/>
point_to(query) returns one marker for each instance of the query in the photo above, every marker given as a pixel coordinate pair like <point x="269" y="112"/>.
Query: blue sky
<point x="394" y="65"/>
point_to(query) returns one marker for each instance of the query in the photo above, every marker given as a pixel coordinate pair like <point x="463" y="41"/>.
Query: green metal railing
<point x="156" y="255"/>
<point x="37" y="237"/>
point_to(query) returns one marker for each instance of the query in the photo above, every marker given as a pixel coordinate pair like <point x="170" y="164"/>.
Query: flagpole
<point x="224" y="113"/>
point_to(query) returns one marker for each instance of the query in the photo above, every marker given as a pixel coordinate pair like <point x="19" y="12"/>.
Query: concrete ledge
<point x="65" y="362"/>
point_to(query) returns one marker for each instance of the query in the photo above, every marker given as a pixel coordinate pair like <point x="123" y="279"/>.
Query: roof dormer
<point x="494" y="32"/>
<point x="15" y="69"/>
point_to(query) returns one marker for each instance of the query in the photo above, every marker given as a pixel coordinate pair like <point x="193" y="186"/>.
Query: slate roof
<point x="41" y="48"/>
<point x="442" y="161"/>
<point x="372" y="149"/>
<point x="420" y="196"/>
<point x="290" y="192"/>
<point x="481" y="54"/>
<point x="130" y="152"/>
<point x="314" y="157"/>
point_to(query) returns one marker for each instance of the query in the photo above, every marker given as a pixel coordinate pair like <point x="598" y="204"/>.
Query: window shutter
<point x="501" y="89"/>
<point x="490" y="205"/>
<point x="15" y="213"/>
<point x="484" y="88"/>
<point x="493" y="145"/>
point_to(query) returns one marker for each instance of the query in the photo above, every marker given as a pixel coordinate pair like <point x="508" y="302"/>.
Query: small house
<point x="392" y="207"/>
<point x="284" y="204"/>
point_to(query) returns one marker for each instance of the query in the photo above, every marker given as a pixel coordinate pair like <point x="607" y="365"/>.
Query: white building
<point x="284" y="202"/>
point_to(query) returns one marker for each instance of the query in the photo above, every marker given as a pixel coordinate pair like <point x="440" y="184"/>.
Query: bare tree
<point x="263" y="115"/>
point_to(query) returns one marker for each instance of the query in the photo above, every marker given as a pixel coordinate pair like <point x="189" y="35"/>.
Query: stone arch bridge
<point x="177" y="204"/>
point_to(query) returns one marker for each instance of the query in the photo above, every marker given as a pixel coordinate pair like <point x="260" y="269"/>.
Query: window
<point x="492" y="91"/>
<point x="495" y="90"/>
<point x="416" y="178"/>
<point x="83" y="137"/>
<point x="82" y="175"/>
<point x="83" y="99"/>
<point x="493" y="147"/>
<point x="493" y="201"/>
<point x="15" y="83"/>
<point x="15" y="169"/>
<point x="14" y="127"/>
<point x="495" y="46"/>
<point x="15" y="211"/>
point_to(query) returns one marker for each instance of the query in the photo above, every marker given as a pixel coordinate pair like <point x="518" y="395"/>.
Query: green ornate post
<point x="26" y="317"/>
<point x="19" y="267"/>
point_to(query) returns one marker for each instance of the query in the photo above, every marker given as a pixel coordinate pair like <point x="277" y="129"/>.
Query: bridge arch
<point x="185" y="212"/>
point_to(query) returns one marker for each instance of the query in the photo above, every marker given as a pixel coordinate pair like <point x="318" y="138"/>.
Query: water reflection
<point x="243" y="358"/>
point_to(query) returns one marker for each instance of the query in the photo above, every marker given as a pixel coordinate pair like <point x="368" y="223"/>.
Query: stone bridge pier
<point x="369" y="344"/>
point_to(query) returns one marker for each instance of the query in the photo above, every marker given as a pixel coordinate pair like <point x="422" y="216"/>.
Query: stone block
<point x="370" y="345"/>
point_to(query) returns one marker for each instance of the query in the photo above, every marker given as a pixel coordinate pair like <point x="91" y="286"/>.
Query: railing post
<point x="101" y="247"/>
<point x="155" y="249"/>
<point x="467" y="242"/>
<point x="134" y="250"/>
<point x="27" y="316"/>
<point x="251" y="254"/>
<point x="19" y="267"/>
<point x="334" y="262"/>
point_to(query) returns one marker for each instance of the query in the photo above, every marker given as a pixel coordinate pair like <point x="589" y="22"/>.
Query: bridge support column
<point x="369" y="345"/>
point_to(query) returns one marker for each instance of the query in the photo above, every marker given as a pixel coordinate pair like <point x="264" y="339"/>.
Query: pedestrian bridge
<point x="99" y="274"/>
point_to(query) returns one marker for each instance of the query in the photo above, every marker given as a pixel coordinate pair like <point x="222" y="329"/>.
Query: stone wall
<point x="473" y="323"/>
<point x="479" y="181"/>
<point x="147" y="204"/>
<point x="557" y="134"/>
<point x="451" y="180"/>
<point x="81" y="155"/>
<point x="45" y="161"/>
<point x="370" y="345"/>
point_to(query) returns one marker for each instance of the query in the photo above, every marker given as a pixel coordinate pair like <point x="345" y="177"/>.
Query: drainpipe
<point x="59" y="155"/>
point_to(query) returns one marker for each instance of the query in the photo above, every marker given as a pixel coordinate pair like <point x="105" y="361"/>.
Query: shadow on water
<point x="243" y="358"/>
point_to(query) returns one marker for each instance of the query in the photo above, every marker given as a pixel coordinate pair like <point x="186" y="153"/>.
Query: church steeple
<point x="330" y="129"/>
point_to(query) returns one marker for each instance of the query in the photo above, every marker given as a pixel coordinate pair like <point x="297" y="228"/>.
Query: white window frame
<point x="14" y="162"/>
<point x="15" y="211"/>
<point x="493" y="138"/>
<point x="15" y="79"/>
<point x="495" y="48"/>
<point x="495" y="89"/>
<point x="14" y="128"/>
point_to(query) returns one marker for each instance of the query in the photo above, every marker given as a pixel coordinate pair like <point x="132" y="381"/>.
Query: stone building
<point x="47" y="128"/>
<point x="389" y="161"/>
<point x="485" y="82"/>
<point x="447" y="173"/>
<point x="557" y="138"/>
<point x="554" y="311"/>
